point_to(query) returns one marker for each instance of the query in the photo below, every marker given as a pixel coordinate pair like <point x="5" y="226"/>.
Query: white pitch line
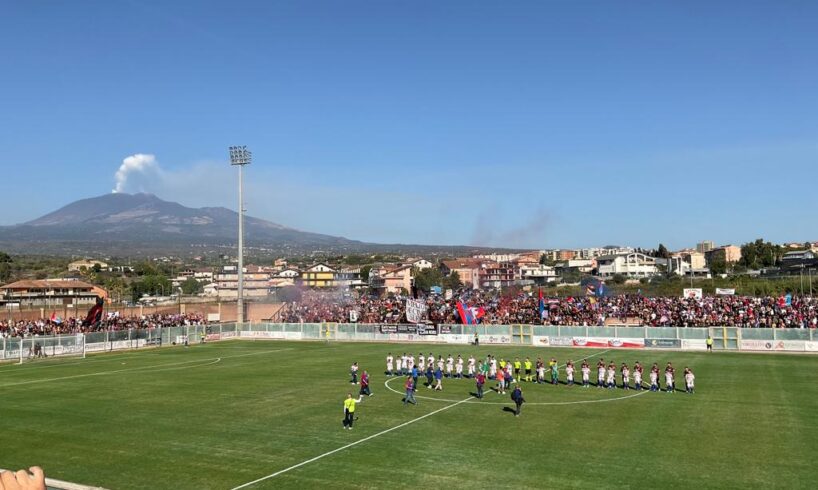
<point x="386" y="384"/>
<point x="481" y="402"/>
<point x="285" y="470"/>
<point x="153" y="368"/>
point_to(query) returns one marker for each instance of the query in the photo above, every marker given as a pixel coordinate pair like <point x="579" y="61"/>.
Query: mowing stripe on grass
<point x="153" y="368"/>
<point x="329" y="453"/>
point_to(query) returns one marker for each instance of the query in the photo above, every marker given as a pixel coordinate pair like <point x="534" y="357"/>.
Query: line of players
<point x="507" y="372"/>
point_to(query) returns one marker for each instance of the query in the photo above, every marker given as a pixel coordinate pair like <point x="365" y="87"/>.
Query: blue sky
<point x="521" y="124"/>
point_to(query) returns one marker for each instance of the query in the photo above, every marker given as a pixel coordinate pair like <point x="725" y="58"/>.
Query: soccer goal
<point x="36" y="348"/>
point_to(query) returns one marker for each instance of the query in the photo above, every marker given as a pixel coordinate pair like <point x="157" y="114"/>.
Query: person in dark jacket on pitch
<point x="430" y="376"/>
<point x="481" y="380"/>
<point x="517" y="396"/>
<point x="415" y="374"/>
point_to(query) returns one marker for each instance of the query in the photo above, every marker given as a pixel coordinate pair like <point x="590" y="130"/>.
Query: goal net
<point x="35" y="348"/>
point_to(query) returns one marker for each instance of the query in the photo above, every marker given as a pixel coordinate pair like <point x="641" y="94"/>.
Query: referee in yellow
<point x="349" y="411"/>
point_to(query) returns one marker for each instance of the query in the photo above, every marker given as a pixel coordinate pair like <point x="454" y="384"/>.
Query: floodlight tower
<point x="241" y="156"/>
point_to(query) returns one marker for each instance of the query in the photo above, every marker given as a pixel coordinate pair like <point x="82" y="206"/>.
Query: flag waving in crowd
<point x="541" y="304"/>
<point x="469" y="315"/>
<point x="95" y="313"/>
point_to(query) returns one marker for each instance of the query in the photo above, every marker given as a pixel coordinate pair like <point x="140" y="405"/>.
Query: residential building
<point x="86" y="264"/>
<point x="318" y="276"/>
<point x="584" y="266"/>
<point x="632" y="264"/>
<point x="537" y="274"/>
<point x="528" y="258"/>
<point x="51" y="292"/>
<point x="467" y="269"/>
<point x="799" y="261"/>
<point x="497" y="274"/>
<point x="705" y="246"/>
<point x="728" y="253"/>
<point x="391" y="279"/>
<point x="420" y="263"/>
<point x="350" y="277"/>
<point x="255" y="282"/>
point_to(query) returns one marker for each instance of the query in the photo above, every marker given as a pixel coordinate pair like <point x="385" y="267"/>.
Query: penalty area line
<point x="329" y="453"/>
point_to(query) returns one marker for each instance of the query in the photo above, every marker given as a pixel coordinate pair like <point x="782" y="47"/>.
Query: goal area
<point x="31" y="349"/>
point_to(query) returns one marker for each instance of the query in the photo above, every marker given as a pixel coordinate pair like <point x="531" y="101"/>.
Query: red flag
<point x="95" y="313"/>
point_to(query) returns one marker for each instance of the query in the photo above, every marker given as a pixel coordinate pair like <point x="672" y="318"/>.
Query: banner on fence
<point x="590" y="342"/>
<point x="115" y="345"/>
<point x="562" y="341"/>
<point x="410" y="337"/>
<point x="495" y="339"/>
<point x="213" y="336"/>
<point x="773" y="345"/>
<point x="541" y="340"/>
<point x="663" y="343"/>
<point x="627" y="343"/>
<point x="725" y="291"/>
<point x="415" y="310"/>
<point x="263" y="334"/>
<point x="455" y="338"/>
<point x="420" y="329"/>
<point x="811" y="346"/>
<point x="692" y="293"/>
<point x="694" y="344"/>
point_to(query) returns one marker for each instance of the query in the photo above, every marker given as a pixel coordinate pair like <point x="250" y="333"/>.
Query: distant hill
<point x="143" y="224"/>
<point x="146" y="221"/>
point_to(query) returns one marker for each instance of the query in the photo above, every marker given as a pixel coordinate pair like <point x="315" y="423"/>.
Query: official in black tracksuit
<point x="517" y="396"/>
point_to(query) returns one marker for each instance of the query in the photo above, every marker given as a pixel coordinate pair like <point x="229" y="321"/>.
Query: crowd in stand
<point x="60" y="326"/>
<point x="493" y="307"/>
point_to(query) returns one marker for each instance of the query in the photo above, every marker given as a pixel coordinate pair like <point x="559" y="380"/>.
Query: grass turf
<point x="223" y="414"/>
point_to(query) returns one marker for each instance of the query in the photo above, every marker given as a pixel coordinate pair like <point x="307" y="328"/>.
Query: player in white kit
<point x="458" y="367"/>
<point x="390" y="366"/>
<point x="471" y="365"/>
<point x="689" y="379"/>
<point x="586" y="374"/>
<point x="626" y="377"/>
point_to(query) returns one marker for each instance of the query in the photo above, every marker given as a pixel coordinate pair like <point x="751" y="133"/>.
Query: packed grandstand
<point x="495" y="307"/>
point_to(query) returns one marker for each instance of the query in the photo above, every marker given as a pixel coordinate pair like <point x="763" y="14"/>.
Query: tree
<point x="718" y="266"/>
<point x="662" y="252"/>
<point x="191" y="286"/>
<point x="618" y="279"/>
<point x="5" y="267"/>
<point x="96" y="268"/>
<point x="452" y="281"/>
<point x="426" y="278"/>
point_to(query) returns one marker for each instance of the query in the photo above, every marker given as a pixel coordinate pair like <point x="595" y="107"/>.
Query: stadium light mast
<point x="241" y="156"/>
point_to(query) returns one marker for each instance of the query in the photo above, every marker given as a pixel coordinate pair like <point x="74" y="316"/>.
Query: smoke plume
<point x="134" y="164"/>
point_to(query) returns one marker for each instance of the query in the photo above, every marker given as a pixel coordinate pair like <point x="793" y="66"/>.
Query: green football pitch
<point x="223" y="415"/>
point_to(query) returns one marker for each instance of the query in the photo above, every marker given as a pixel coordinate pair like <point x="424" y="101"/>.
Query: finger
<point x="39" y="475"/>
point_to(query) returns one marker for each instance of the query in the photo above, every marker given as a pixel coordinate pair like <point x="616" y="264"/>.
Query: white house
<point x="632" y="264"/>
<point x="421" y="264"/>
<point x="539" y="273"/>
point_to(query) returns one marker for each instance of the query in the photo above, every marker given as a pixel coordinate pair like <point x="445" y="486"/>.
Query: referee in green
<point x="349" y="411"/>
